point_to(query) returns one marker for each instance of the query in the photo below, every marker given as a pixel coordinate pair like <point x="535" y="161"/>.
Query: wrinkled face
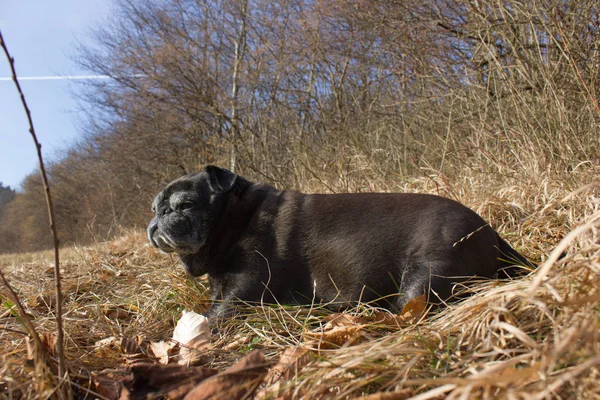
<point x="188" y="211"/>
<point x="182" y="209"/>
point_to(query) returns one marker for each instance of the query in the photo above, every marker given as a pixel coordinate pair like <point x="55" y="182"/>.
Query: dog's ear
<point x="220" y="180"/>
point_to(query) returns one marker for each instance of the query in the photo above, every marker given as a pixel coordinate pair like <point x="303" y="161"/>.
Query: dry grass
<point x="537" y="337"/>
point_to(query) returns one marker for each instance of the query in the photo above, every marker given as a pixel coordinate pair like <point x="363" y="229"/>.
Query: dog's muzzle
<point x="160" y="241"/>
<point x="163" y="241"/>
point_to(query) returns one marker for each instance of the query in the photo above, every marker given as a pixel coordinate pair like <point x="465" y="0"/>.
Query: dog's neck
<point x="238" y="211"/>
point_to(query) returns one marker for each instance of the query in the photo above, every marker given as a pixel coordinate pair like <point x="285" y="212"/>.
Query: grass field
<point x="536" y="337"/>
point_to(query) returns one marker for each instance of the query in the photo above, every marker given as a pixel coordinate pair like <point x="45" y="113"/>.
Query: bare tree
<point x="328" y="95"/>
<point x="239" y="45"/>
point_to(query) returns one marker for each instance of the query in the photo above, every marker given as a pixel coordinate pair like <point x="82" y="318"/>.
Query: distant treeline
<point x="318" y="95"/>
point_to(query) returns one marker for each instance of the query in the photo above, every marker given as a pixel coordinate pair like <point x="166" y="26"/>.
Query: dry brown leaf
<point x="291" y="362"/>
<point x="163" y="350"/>
<point x="340" y="329"/>
<point x="415" y="308"/>
<point x="236" y="344"/>
<point x="343" y="329"/>
<point x="341" y="319"/>
<point x="390" y="320"/>
<point x="239" y="380"/>
<point x="171" y="381"/>
<point x="345" y="320"/>
<point x="49" y="341"/>
<point x="44" y="301"/>
<point x="412" y="311"/>
<point x="116" y="312"/>
<point x="131" y="350"/>
<point x="511" y="375"/>
<point x="335" y="337"/>
<point x="49" y="272"/>
<point x="379" y="318"/>
<point x="149" y="381"/>
<point x="107" y="348"/>
<point x="109" y="341"/>
<point x="130" y="346"/>
<point x="111" y="384"/>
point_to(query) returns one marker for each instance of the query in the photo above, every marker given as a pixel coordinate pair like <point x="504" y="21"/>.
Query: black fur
<point x="257" y="243"/>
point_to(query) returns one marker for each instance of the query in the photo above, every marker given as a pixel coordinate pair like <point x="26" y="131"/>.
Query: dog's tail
<point x="512" y="263"/>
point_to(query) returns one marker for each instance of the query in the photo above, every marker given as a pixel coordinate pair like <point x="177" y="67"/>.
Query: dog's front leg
<point x="226" y="292"/>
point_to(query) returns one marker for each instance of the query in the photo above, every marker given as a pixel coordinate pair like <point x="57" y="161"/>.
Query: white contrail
<point x="68" y="77"/>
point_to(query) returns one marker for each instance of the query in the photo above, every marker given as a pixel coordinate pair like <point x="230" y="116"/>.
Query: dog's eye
<point x="184" y="205"/>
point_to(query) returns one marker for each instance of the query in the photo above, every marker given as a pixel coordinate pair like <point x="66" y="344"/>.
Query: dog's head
<point x="187" y="211"/>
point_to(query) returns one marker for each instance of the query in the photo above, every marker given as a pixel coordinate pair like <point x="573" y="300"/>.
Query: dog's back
<point x="368" y="246"/>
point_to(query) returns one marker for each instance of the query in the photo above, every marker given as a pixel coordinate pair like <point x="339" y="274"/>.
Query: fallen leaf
<point x="144" y="381"/>
<point x="110" y="384"/>
<point x="163" y="350"/>
<point x="131" y="350"/>
<point x="111" y="340"/>
<point x="335" y="337"/>
<point x="411" y="312"/>
<point x="291" y="362"/>
<point x="233" y="346"/>
<point x="192" y="332"/>
<point x="49" y="272"/>
<point x="339" y="329"/>
<point x="341" y="319"/>
<point x="130" y="346"/>
<point x="171" y="381"/>
<point x="43" y="302"/>
<point x="50" y="341"/>
<point x="510" y="375"/>
<point x="239" y="380"/>
<point x="116" y="312"/>
<point x="343" y="329"/>
<point x="190" y="326"/>
<point x="415" y="308"/>
<point x="392" y="320"/>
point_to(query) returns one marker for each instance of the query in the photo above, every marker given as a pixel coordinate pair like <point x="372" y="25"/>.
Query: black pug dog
<point x="260" y="244"/>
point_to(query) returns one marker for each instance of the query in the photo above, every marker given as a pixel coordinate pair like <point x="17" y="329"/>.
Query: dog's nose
<point x="152" y="227"/>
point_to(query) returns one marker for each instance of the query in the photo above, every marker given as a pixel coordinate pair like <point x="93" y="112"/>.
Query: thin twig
<point x="62" y="370"/>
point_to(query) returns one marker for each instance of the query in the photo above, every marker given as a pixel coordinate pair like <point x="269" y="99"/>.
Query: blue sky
<point x="41" y="36"/>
